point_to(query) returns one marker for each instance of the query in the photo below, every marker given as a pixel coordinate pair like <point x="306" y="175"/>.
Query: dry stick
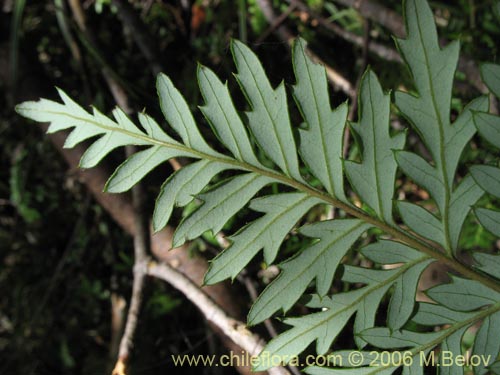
<point x="232" y="328"/>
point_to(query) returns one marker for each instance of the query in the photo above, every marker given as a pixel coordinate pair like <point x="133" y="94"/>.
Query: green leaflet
<point x="178" y="115"/>
<point x="489" y="127"/>
<point x="422" y="173"/>
<point x="491" y="76"/>
<point x="433" y="70"/>
<point x="403" y="297"/>
<point x="463" y="295"/>
<point x="180" y="188"/>
<point x="319" y="262"/>
<point x="268" y="232"/>
<point x="488" y="178"/>
<point x="222" y="115"/>
<point x="67" y="115"/>
<point x="268" y="119"/>
<point x="384" y="338"/>
<point x="136" y="167"/>
<point x="390" y="252"/>
<point x="431" y="314"/>
<point x="220" y="204"/>
<point x="373" y="178"/>
<point x="421" y="221"/>
<point x="321" y="142"/>
<point x="463" y="197"/>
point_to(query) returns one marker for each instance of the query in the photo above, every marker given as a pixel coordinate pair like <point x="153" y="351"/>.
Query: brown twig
<point x="141" y="246"/>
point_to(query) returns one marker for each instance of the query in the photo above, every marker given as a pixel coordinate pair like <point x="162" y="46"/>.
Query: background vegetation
<point x="66" y="265"/>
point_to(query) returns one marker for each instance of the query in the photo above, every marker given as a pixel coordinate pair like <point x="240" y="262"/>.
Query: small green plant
<point x="409" y="241"/>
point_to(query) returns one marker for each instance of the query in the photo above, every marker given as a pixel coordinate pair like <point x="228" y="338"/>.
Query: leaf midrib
<point x="324" y="152"/>
<point x="442" y="161"/>
<point x="375" y="155"/>
<point x="275" y="133"/>
<point x="262" y="230"/>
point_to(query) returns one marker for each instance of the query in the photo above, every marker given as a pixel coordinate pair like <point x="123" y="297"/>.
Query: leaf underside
<point x="217" y="185"/>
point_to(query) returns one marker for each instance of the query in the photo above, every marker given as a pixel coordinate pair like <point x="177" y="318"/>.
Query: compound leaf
<point x="433" y="69"/>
